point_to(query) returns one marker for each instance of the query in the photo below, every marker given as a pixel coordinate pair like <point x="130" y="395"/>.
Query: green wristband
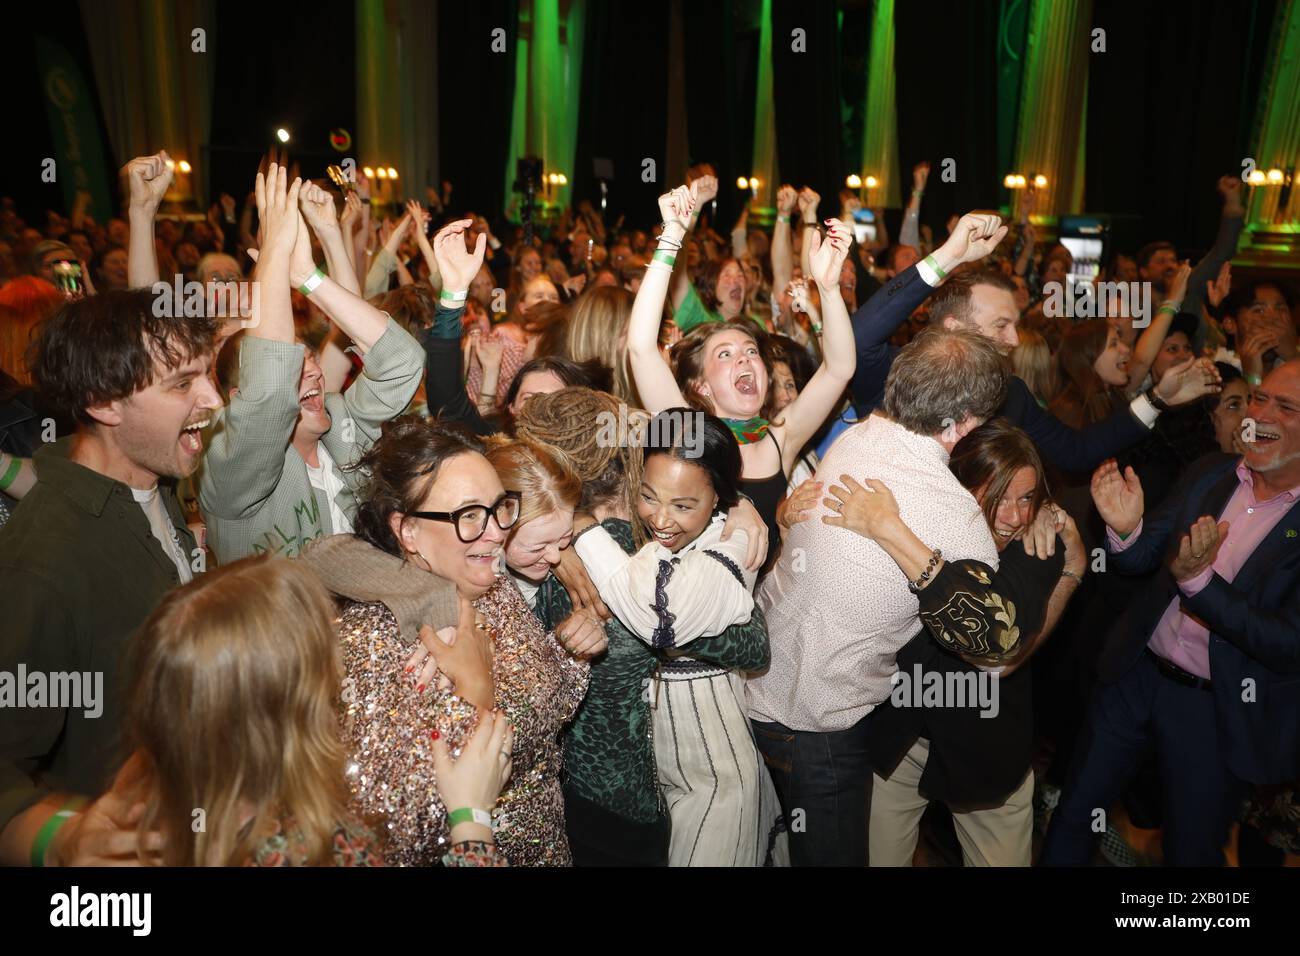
<point x="313" y="280"/>
<point x="930" y="261"/>
<point x="1252" y="380"/>
<point x="453" y="298"/>
<point x="46" y="835"/>
<point x="11" y="473"/>
<point x="469" y="815"/>
<point x="661" y="256"/>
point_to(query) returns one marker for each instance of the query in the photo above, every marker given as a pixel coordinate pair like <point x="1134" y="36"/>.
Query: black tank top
<point x="766" y="494"/>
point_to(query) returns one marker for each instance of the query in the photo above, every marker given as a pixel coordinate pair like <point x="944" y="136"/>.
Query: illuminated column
<point x="880" y="124"/>
<point x="764" y="162"/>
<point x="1276" y="138"/>
<point x="379" y="115"/>
<point x="1053" y="102"/>
<point x="548" y="74"/>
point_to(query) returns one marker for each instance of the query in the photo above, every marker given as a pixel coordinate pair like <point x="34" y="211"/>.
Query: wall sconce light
<point x="853" y="181"/>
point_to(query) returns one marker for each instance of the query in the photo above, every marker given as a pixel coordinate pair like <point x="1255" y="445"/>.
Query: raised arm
<point x="1147" y="347"/>
<point x="654" y="379"/>
<point x="702" y="190"/>
<point x="807" y="201"/>
<point x="803" y="416"/>
<point x="1224" y="248"/>
<point x="910" y="234"/>
<point x="148" y="178"/>
<point x="355" y="317"/>
<point x="782" y="246"/>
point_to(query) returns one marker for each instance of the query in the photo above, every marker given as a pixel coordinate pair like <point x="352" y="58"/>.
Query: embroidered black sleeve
<point x="663" y="635"/>
<point x="729" y="565"/>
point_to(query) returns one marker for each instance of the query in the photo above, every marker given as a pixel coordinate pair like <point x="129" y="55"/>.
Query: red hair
<point x="25" y="303"/>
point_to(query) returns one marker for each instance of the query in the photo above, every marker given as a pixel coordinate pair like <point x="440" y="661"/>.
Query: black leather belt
<point x="1173" y="672"/>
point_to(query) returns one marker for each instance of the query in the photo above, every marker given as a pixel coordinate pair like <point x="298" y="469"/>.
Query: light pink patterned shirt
<point x="838" y="607"/>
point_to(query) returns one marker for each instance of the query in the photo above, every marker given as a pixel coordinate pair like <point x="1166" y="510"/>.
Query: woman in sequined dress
<point x="685" y="584"/>
<point x="215" y="662"/>
<point x="435" y="514"/>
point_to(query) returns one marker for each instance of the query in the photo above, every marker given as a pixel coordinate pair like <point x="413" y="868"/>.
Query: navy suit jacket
<point x="1254" y="622"/>
<point x="1070" y="449"/>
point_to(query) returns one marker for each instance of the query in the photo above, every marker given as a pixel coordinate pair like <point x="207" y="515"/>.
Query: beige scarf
<point x="355" y="569"/>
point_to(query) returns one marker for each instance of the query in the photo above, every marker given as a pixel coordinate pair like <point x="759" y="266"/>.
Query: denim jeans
<point x="823" y="781"/>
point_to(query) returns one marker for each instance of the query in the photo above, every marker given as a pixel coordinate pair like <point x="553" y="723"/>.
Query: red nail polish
<point x="419" y="689"/>
<point x="435" y="735"/>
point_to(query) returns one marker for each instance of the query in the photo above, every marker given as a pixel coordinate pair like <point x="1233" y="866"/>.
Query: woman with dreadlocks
<point x="615" y="810"/>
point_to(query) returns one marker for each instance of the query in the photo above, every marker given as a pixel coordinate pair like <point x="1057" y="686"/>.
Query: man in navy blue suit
<point x="1204" y="668"/>
<point x="985" y="302"/>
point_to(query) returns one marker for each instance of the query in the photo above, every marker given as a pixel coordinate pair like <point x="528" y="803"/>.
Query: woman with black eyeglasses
<point x="427" y="550"/>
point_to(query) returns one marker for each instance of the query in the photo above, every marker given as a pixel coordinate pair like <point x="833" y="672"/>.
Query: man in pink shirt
<point x="1204" y="668"/>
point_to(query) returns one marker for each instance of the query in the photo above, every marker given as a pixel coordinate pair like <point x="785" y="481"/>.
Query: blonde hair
<point x="1033" y="364"/>
<point x="232" y="692"/>
<point x="597" y="329"/>
<point x="544" y="479"/>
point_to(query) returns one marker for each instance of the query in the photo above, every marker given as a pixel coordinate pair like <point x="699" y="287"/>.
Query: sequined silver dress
<point x="387" y="726"/>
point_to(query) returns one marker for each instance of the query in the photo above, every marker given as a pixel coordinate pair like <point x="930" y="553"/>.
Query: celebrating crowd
<point x="404" y="542"/>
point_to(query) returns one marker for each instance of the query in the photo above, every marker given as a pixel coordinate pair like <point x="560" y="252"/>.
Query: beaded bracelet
<point x="935" y="557"/>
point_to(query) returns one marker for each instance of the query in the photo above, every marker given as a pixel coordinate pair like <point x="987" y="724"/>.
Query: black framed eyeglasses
<point x="471" y="521"/>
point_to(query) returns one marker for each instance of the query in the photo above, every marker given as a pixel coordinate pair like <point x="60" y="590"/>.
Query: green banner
<point x="79" y="156"/>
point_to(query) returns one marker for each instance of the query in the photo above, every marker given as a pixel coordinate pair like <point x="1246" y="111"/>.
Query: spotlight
<point x="1009" y="180"/>
<point x="1276" y="177"/>
<point x="1020" y="181"/>
<point x="742" y="183"/>
<point x="872" y="182"/>
<point x="564" y="180"/>
<point x="1040" y="181"/>
<point x="381" y="173"/>
<point x="854" y="181"/>
<point x="392" y="173"/>
<point x="1257" y="177"/>
<point x="183" y="166"/>
<point x="171" y="164"/>
<point x="370" y="173"/>
<point x="282" y="135"/>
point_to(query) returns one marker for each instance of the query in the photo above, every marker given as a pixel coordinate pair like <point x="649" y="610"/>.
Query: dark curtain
<point x="1170" y="109"/>
<point x="623" y="114"/>
<point x="476" y="90"/>
<point x="946" y="91"/>
<point x="27" y="138"/>
<point x="289" y="64"/>
<point x="720" y="86"/>
<point x="807" y="98"/>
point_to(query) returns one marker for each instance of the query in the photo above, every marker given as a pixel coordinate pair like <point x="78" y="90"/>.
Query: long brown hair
<point x="687" y="361"/>
<point x="989" y="456"/>
<point x="1084" y="398"/>
<point x="232" y="690"/>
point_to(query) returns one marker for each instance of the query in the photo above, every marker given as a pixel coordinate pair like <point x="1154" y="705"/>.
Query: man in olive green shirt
<point x="89" y="554"/>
